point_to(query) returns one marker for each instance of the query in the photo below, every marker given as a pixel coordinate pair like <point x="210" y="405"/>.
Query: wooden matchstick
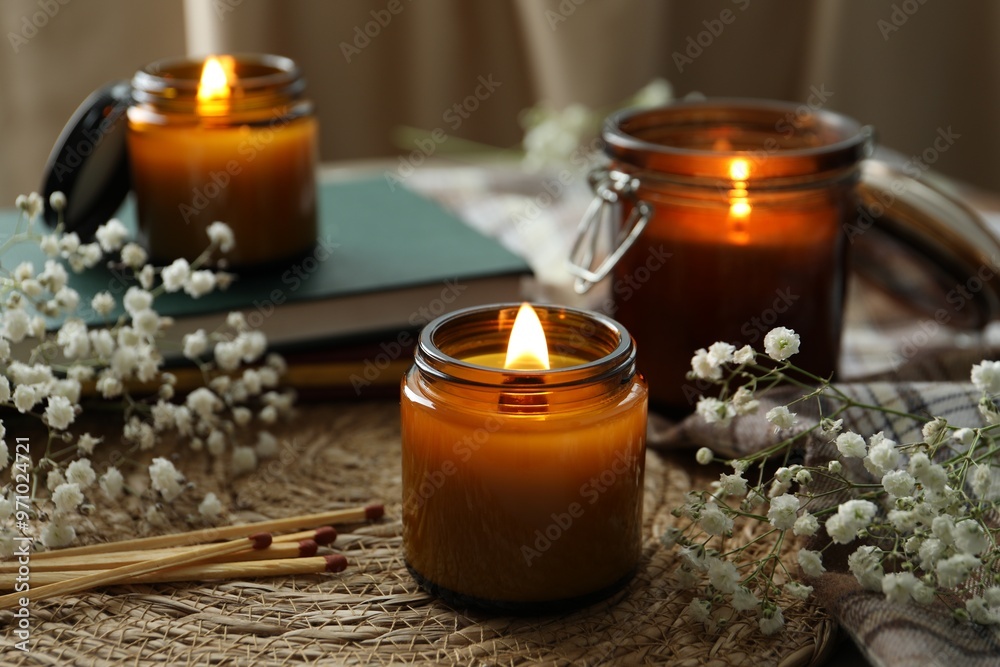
<point x="349" y="515"/>
<point x="106" y="561"/>
<point x="107" y="577"/>
<point x="226" y="570"/>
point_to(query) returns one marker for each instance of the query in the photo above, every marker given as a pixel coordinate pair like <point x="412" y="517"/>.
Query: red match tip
<point x="260" y="540"/>
<point x="336" y="563"/>
<point x="308" y="548"/>
<point x="325" y="536"/>
<point x="375" y="511"/>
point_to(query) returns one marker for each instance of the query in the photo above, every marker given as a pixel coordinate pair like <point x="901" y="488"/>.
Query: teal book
<point x="387" y="260"/>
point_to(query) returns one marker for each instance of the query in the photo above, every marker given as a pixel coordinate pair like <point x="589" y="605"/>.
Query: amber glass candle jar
<point x="234" y="141"/>
<point x="522" y="489"/>
<point x="731" y="219"/>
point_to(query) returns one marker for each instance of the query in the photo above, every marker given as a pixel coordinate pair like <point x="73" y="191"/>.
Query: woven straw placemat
<point x="374" y="613"/>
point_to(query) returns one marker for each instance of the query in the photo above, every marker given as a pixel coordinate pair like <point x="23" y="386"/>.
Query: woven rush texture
<point x="374" y="613"/>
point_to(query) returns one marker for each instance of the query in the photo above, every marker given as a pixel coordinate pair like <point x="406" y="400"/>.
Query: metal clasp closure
<point x="611" y="187"/>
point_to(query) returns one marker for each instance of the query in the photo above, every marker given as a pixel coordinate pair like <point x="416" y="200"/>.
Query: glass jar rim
<point x="842" y="141"/>
<point x="618" y="352"/>
<point x="183" y="74"/>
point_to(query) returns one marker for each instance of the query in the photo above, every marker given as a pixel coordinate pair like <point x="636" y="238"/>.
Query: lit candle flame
<point x="739" y="204"/>
<point x="739" y="170"/>
<point x="527" y="349"/>
<point x="215" y="86"/>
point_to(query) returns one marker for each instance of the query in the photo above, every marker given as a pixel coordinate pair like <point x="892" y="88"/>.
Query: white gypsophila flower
<point x="163" y="415"/>
<point x="781" y="417"/>
<point x="781" y="343"/>
<point x="16" y="325"/>
<point x="744" y="402"/>
<point x="244" y="460"/>
<point x="898" y="586"/>
<point x="720" y="353"/>
<point x="80" y="472"/>
<point x="934" y="430"/>
<point x="57" y="200"/>
<point x="199" y="283"/>
<point x="88" y="255"/>
<point x="980" y="612"/>
<point x="154" y="516"/>
<point x="723" y="576"/>
<point x="4" y="349"/>
<point x="982" y="480"/>
<point x="86" y="443"/>
<point x="883" y="455"/>
<point x="216" y="442"/>
<point x="898" y="483"/>
<point x="174" y="275"/>
<point x="203" y="402"/>
<point x="654" y="94"/>
<point x="227" y="355"/>
<point x="699" y="610"/>
<point x="236" y="320"/>
<point x="54" y="276"/>
<point x="103" y="343"/>
<point x="221" y="235"/>
<point x="32" y="288"/>
<point x="964" y="436"/>
<point x="714" y="521"/>
<point x="103" y="303"/>
<point x="56" y="534"/>
<point x="139" y="432"/>
<point x="53" y="479"/>
<point x="6" y="508"/>
<point x="670" y="536"/>
<point x="744" y="355"/>
<point x="67" y="299"/>
<point x="267" y="445"/>
<point x="136" y="300"/>
<point x="210" y="508"/>
<point x="783" y="511"/>
<point x="931" y="475"/>
<point x="112" y="483"/>
<point x="714" y="411"/>
<point x="811" y="562"/>
<point x="134" y="256"/>
<point x="930" y="552"/>
<point x="195" y="344"/>
<point x="49" y="245"/>
<point x="866" y="566"/>
<point x="25" y="397"/>
<point x="146" y="322"/>
<point x="773" y="623"/>
<point x="744" y="600"/>
<point x="703" y="367"/>
<point x="986" y="376"/>
<point x="252" y="381"/>
<point x="805" y="525"/>
<point x="242" y="416"/>
<point x="111" y="235"/>
<point x="552" y="137"/>
<point x="253" y="345"/>
<point x="73" y="339"/>
<point x="67" y="497"/>
<point x="955" y="570"/>
<point x="732" y="485"/>
<point x="797" y="590"/>
<point x="146" y="276"/>
<point x="24" y="271"/>
<point x="268" y="415"/>
<point x="970" y="538"/>
<point x="803" y="477"/>
<point x="166" y="479"/>
<point x="835" y="467"/>
<point x="851" y="444"/>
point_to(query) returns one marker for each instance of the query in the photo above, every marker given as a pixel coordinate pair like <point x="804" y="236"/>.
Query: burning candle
<point x="523" y="457"/>
<point x="742" y="208"/>
<point x="229" y="139"/>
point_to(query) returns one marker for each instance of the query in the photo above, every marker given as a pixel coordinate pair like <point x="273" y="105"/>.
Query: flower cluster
<point x="920" y="518"/>
<point x="51" y="374"/>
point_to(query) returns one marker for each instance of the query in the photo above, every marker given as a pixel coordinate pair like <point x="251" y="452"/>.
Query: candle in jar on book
<point x="523" y="457"/>
<point x="233" y="139"/>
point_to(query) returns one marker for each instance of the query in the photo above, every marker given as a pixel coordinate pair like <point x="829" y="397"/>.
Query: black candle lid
<point x="89" y="162"/>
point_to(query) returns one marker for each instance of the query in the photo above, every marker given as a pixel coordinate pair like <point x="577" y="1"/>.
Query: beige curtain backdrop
<point x="909" y="67"/>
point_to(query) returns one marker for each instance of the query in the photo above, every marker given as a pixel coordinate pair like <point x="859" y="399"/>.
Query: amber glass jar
<point x="522" y="489"/>
<point x="731" y="217"/>
<point x="245" y="155"/>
